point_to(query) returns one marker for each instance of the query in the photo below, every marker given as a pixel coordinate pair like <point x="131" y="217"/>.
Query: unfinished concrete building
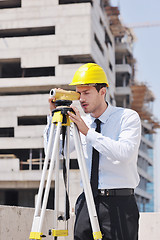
<point x="142" y="102"/>
<point x="137" y="96"/>
<point x="42" y="44"/>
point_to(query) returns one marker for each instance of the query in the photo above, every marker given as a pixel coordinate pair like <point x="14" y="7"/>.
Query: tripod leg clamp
<point x="97" y="235"/>
<point x="59" y="233"/>
<point x="36" y="235"/>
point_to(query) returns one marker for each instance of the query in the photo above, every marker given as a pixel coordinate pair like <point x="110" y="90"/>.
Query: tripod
<point x="62" y="123"/>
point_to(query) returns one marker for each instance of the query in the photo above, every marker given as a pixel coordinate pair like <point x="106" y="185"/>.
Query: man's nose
<point x="81" y="98"/>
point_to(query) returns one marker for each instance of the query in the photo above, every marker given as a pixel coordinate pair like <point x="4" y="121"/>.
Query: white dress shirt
<point x="117" y="144"/>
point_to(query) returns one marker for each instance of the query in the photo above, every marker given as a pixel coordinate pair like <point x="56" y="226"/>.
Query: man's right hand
<point x="52" y="106"/>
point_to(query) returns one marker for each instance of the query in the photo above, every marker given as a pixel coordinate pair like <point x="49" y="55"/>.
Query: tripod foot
<point x="97" y="235"/>
<point x="58" y="233"/>
<point x="36" y="236"/>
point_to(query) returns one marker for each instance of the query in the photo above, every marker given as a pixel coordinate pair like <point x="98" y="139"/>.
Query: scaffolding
<point x="142" y="96"/>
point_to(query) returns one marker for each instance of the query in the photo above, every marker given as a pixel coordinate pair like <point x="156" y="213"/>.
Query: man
<point x="115" y="145"/>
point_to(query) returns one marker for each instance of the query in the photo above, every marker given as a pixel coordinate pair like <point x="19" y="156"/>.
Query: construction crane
<point x="138" y="24"/>
<point x="142" y="25"/>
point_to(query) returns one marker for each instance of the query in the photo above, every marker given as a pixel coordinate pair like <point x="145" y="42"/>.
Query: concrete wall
<point x="16" y="224"/>
<point x="149" y="226"/>
<point x="8" y="165"/>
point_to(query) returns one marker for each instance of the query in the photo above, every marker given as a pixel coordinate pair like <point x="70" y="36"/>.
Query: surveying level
<point x="61" y="94"/>
<point x="61" y="124"/>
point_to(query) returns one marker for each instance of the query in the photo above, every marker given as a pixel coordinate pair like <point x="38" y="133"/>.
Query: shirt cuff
<point x="92" y="136"/>
<point x="49" y="119"/>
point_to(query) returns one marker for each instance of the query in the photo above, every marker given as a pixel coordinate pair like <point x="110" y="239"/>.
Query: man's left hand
<point x="76" y="118"/>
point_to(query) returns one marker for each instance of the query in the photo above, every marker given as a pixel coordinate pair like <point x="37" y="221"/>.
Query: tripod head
<point x="63" y="103"/>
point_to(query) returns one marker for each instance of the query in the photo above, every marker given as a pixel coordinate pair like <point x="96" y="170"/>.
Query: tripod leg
<point x="42" y="182"/>
<point x="67" y="174"/>
<point x="56" y="186"/>
<point x="54" y="153"/>
<point x="56" y="196"/>
<point x="66" y="184"/>
<point x="86" y="184"/>
<point x="55" y="232"/>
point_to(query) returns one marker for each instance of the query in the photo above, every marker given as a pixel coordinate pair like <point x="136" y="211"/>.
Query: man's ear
<point x="103" y="91"/>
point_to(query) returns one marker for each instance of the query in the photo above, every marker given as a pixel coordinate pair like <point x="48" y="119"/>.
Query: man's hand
<point x="52" y="106"/>
<point x="76" y="118"/>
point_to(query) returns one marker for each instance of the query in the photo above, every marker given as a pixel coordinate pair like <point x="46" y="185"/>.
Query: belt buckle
<point x="107" y="192"/>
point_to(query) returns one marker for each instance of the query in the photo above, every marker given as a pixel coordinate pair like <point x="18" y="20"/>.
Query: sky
<point x="147" y="53"/>
<point x="147" y="45"/>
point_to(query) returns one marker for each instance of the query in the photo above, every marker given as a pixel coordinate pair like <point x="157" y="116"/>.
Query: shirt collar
<point x="105" y="115"/>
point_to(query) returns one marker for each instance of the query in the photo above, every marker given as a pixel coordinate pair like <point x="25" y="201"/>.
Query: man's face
<point x="90" y="99"/>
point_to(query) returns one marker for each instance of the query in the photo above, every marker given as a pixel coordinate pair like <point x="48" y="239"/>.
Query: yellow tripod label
<point x="59" y="233"/>
<point x="36" y="235"/>
<point x="97" y="235"/>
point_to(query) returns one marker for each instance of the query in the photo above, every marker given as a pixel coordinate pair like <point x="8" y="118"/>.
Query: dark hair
<point x="98" y="86"/>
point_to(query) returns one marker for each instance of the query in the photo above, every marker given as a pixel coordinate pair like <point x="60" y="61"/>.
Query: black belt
<point x="116" y="192"/>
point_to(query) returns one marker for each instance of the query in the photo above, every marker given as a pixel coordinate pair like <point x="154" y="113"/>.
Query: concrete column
<point x="40" y="160"/>
<point x="124" y="80"/>
<point x="123" y="59"/>
<point x="30" y="158"/>
<point x="0" y="71"/>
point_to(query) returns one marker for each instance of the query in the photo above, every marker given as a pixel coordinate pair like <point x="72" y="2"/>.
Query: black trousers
<point x="118" y="218"/>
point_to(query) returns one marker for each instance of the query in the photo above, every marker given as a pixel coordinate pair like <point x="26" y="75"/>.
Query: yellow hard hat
<point x="89" y="73"/>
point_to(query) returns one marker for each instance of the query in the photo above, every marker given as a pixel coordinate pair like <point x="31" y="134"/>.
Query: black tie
<point x="95" y="164"/>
